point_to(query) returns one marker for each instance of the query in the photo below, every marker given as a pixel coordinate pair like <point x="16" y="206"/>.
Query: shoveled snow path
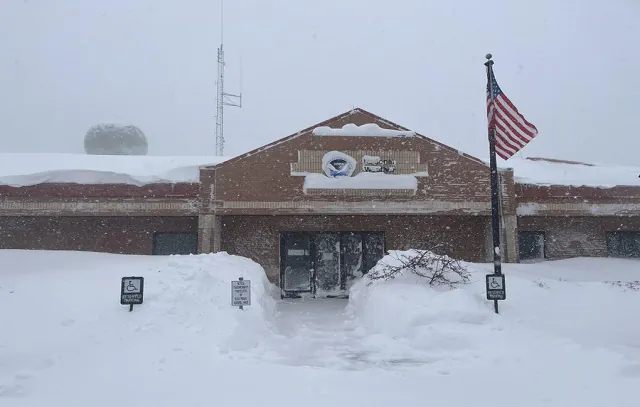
<point x="533" y="367"/>
<point x="320" y="333"/>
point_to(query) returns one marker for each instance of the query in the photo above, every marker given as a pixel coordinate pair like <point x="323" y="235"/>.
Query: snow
<point x="367" y="129"/>
<point x="527" y="171"/>
<point x="561" y="337"/>
<point x="362" y="180"/>
<point x="564" y="336"/>
<point x="23" y="169"/>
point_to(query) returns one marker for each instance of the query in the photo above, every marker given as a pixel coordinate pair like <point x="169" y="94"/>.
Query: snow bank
<point x="72" y="300"/>
<point x="406" y="304"/>
<point x="571" y="336"/>
<point x="362" y="180"/>
<point x="528" y="171"/>
<point x="564" y="337"/>
<point x="368" y="129"/>
<point x="31" y="169"/>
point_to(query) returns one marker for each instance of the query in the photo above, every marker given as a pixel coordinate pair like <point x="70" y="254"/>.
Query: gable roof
<point x="374" y="118"/>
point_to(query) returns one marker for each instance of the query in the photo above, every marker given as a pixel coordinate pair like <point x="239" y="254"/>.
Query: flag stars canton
<point x="496" y="89"/>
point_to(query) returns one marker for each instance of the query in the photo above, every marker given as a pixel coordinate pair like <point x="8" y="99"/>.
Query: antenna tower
<point x="222" y="98"/>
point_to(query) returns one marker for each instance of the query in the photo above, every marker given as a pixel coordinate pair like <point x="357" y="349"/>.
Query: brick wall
<point x="258" y="237"/>
<point x="127" y="235"/>
<point x="185" y="190"/>
<point x="265" y="175"/>
<point x="577" y="236"/>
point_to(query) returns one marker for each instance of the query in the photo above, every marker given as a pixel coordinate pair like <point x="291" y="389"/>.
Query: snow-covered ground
<point x="564" y="337"/>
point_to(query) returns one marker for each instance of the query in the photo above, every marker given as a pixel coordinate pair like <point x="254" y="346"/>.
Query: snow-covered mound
<point x="57" y="306"/>
<point x="405" y="303"/>
<point x="570" y="335"/>
<point x="565" y="336"/>
<point x="23" y="169"/>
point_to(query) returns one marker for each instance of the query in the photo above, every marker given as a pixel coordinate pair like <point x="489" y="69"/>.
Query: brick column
<point x="209" y="233"/>
<point x="509" y="224"/>
<point x="510" y="233"/>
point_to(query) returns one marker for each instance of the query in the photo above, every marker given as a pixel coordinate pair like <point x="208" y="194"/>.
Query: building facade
<point x="320" y="207"/>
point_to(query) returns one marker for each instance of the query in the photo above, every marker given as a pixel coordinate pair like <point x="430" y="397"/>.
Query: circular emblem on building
<point x="337" y="164"/>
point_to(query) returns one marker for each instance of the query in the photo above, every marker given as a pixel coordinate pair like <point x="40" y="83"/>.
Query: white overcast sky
<point x="572" y="67"/>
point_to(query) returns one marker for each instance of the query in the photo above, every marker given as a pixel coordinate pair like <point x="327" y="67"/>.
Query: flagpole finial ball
<point x="488" y="56"/>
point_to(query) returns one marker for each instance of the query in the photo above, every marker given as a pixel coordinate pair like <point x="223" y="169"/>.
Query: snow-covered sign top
<point x="365" y="130"/>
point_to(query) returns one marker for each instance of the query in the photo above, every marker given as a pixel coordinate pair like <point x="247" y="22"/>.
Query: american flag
<point x="512" y="130"/>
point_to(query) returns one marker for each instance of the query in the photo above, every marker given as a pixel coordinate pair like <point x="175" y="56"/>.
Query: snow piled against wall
<point x="368" y="129"/>
<point x="31" y="169"/>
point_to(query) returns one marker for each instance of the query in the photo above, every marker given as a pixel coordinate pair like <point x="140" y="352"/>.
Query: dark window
<point x="175" y="243"/>
<point x="373" y="249"/>
<point x="531" y="245"/>
<point x="623" y="244"/>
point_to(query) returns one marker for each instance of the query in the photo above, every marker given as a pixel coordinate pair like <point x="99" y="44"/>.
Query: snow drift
<point x="570" y="335"/>
<point x="403" y="305"/>
<point x="72" y="300"/>
<point x="557" y="342"/>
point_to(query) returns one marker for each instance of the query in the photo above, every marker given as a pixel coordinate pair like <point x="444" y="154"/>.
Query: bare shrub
<point x="437" y="270"/>
<point x="629" y="285"/>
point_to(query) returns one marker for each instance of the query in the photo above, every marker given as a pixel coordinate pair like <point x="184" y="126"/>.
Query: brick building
<point x="320" y="207"/>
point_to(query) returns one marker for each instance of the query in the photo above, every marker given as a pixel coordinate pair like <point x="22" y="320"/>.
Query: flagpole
<point x="495" y="201"/>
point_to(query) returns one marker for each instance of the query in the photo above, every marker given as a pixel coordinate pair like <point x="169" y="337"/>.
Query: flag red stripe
<point x="516" y="138"/>
<point x="503" y="110"/>
<point x="505" y="142"/>
<point x="504" y="156"/>
<point x="508" y="139"/>
<point x="511" y="105"/>
<point x="511" y="121"/>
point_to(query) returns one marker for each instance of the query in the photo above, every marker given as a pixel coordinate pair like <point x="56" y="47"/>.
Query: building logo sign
<point x="336" y="164"/>
<point x="372" y="163"/>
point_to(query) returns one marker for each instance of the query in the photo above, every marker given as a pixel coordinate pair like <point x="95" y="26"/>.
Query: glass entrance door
<point x="328" y="279"/>
<point x="296" y="265"/>
<point x="324" y="264"/>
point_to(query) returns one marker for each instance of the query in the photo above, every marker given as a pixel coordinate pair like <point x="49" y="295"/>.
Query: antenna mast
<point x="222" y="98"/>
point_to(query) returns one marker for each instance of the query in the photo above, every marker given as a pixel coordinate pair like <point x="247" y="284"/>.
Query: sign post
<point x="495" y="198"/>
<point x="132" y="291"/>
<point x="240" y="293"/>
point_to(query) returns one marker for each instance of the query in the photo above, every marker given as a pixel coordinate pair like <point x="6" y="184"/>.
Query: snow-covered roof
<point x="23" y="169"/>
<point x="365" y="130"/>
<point x="545" y="171"/>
